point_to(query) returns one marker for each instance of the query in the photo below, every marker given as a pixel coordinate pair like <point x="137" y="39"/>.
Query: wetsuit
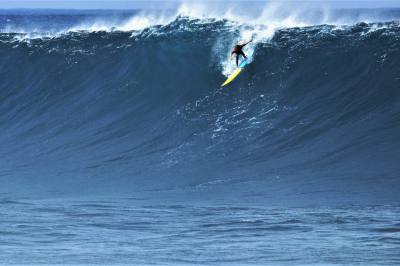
<point x="238" y="51"/>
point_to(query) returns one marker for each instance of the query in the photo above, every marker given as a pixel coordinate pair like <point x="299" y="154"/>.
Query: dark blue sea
<point x="118" y="145"/>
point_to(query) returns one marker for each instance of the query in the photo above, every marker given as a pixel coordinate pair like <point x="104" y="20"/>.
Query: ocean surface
<point x="125" y="231"/>
<point x="118" y="145"/>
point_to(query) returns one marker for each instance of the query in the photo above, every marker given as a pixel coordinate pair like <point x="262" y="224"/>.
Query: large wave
<point x="316" y="112"/>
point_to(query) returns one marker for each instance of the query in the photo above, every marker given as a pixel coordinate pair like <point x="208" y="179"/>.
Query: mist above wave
<point x="270" y="16"/>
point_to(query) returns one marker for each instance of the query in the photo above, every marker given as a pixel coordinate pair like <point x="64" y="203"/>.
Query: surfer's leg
<point x="237" y="60"/>
<point x="243" y="54"/>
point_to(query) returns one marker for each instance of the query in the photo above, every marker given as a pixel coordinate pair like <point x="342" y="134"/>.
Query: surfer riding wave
<point x="238" y="50"/>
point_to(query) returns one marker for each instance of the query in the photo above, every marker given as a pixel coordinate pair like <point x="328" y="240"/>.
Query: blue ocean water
<point x="118" y="145"/>
<point x="124" y="231"/>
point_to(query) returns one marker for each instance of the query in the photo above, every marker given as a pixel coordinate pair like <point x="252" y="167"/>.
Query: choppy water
<point x="118" y="231"/>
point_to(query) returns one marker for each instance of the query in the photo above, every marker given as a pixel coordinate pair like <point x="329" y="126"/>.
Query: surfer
<point x="238" y="50"/>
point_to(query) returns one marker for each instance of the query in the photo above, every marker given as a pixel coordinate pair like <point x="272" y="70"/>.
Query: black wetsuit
<point x="238" y="51"/>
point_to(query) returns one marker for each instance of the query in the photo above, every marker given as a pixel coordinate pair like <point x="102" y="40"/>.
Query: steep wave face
<point x="317" y="111"/>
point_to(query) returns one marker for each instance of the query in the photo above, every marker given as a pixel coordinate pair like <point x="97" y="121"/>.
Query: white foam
<point x="137" y="22"/>
<point x="260" y="26"/>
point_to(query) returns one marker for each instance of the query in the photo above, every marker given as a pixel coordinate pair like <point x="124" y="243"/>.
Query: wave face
<point x="317" y="112"/>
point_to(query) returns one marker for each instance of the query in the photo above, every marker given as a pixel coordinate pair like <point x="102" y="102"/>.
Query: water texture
<point x="118" y="144"/>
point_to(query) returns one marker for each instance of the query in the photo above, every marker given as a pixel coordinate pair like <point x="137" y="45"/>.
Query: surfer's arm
<point x="246" y="43"/>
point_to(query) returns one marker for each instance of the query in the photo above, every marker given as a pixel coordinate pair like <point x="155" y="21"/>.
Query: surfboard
<point x="236" y="72"/>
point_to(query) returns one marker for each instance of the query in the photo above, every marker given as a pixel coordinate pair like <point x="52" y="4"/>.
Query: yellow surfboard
<point x="232" y="76"/>
<point x="236" y="72"/>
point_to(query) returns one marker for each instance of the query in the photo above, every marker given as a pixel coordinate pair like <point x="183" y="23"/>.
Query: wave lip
<point x="271" y="16"/>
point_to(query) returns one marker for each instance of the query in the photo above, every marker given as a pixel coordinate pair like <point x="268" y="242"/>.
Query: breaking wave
<point x="137" y="109"/>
